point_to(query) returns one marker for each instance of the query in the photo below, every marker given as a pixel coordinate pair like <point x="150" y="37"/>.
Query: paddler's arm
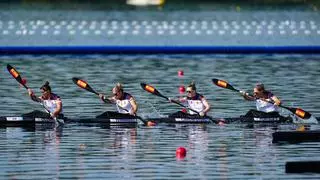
<point x="134" y="105"/>
<point x="106" y="99"/>
<point x="33" y="96"/>
<point x="206" y="107"/>
<point x="276" y="101"/>
<point x="246" y="96"/>
<point x="180" y="100"/>
<point x="58" y="109"/>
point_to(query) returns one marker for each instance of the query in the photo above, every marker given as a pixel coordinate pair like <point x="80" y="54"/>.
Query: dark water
<point x="83" y="152"/>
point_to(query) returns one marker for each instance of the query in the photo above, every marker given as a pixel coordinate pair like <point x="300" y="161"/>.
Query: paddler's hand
<point x="53" y="115"/>
<point x="169" y="99"/>
<point x="102" y="97"/>
<point x="243" y="93"/>
<point x="30" y="92"/>
<point x="201" y="113"/>
<point x="277" y="103"/>
<point x="132" y="113"/>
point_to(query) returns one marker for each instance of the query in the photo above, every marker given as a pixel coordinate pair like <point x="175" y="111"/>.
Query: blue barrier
<point x="12" y="50"/>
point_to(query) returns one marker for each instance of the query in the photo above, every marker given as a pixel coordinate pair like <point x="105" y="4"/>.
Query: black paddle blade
<point x="15" y="74"/>
<point x="223" y="84"/>
<point x="83" y="84"/>
<point x="151" y="90"/>
<point x="299" y="112"/>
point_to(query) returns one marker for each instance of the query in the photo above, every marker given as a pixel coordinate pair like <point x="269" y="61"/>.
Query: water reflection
<point x="28" y="146"/>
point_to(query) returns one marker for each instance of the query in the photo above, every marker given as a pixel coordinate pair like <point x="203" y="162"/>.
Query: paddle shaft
<point x="236" y="90"/>
<point x="15" y="74"/>
<point x="84" y="85"/>
<point x="297" y="111"/>
<point x="154" y="91"/>
<point x="88" y="88"/>
<point x="178" y="103"/>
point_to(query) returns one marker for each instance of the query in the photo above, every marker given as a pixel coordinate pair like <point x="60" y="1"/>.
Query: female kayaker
<point x="125" y="102"/>
<point x="194" y="101"/>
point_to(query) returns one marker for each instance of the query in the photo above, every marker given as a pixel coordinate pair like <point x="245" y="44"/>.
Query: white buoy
<point x="110" y="32"/>
<point x="221" y="32"/>
<point x="209" y="32"/>
<point x="31" y="32"/>
<point x="173" y="32"/>
<point x="85" y="32"/>
<point x="185" y="32"/>
<point x="44" y="32"/>
<point x="56" y="32"/>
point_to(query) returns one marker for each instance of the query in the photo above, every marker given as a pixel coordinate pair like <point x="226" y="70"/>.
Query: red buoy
<point x="180" y="73"/>
<point x="182" y="89"/>
<point x="181" y="152"/>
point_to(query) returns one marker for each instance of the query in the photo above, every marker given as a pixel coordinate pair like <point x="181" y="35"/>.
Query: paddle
<point x="84" y="85"/>
<point x="15" y="74"/>
<point x="154" y="91"/>
<point x="297" y="111"/>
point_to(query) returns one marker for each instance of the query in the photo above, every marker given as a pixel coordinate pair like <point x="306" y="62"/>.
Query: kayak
<point x="19" y="120"/>
<point x="296" y="136"/>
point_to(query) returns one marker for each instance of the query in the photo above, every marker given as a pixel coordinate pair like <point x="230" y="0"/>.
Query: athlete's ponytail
<point x="46" y="86"/>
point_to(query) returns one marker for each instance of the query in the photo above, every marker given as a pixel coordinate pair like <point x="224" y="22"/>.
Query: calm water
<point x="83" y="152"/>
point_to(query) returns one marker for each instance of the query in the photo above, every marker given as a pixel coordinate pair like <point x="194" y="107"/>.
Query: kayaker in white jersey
<point x="266" y="103"/>
<point x="126" y="104"/>
<point x="194" y="101"/>
<point x="51" y="102"/>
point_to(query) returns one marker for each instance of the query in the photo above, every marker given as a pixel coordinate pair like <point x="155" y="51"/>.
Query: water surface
<point x="89" y="152"/>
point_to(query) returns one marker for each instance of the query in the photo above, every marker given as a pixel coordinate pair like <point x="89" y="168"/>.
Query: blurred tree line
<point x="237" y="5"/>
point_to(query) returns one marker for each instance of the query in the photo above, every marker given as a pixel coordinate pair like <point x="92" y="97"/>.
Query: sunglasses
<point x="189" y="91"/>
<point x="43" y="91"/>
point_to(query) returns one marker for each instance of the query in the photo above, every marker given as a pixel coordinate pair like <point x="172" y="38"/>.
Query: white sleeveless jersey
<point x="51" y="103"/>
<point x="196" y="104"/>
<point x="265" y="106"/>
<point x="124" y="106"/>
